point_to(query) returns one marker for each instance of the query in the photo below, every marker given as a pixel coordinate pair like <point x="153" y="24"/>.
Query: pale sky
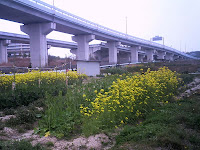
<point x="178" y="21"/>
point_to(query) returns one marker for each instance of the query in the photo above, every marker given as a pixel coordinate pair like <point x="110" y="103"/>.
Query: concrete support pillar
<point x="134" y="54"/>
<point x="73" y="51"/>
<point x="113" y="52"/>
<point x="3" y="51"/>
<point x="149" y="54"/>
<point x="169" y="56"/>
<point x="123" y="57"/>
<point x="161" y="55"/>
<point x="127" y="58"/>
<point x="93" y="54"/>
<point x="176" y="57"/>
<point x="83" y="46"/>
<point x="140" y="58"/>
<point x="181" y="57"/>
<point x="38" y="43"/>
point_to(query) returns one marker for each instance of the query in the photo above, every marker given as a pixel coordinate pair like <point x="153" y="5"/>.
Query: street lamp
<point x="126" y="25"/>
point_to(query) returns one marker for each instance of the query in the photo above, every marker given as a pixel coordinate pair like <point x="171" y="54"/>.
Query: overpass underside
<point x="97" y="52"/>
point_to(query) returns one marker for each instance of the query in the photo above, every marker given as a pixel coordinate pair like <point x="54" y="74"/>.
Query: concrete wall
<point x="90" y="68"/>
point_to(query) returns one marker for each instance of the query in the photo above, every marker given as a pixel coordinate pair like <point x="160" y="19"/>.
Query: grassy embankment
<point x="167" y="123"/>
<point x="173" y="126"/>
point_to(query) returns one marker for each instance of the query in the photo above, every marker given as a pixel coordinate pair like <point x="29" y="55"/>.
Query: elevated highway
<point x="19" y="38"/>
<point x="40" y="19"/>
<point x="18" y="43"/>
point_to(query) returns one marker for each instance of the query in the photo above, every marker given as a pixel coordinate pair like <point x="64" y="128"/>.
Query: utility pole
<point x="163" y="40"/>
<point x="185" y="47"/>
<point x="126" y="25"/>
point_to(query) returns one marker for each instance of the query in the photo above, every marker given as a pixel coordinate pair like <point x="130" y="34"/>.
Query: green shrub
<point x="187" y="78"/>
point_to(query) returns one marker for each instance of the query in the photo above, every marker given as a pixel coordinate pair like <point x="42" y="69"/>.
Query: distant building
<point x="18" y="50"/>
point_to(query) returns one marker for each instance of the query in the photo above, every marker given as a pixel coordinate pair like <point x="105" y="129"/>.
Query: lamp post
<point x="126" y="25"/>
<point x="163" y="41"/>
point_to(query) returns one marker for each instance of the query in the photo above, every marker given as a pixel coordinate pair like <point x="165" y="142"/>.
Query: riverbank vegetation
<point x="140" y="106"/>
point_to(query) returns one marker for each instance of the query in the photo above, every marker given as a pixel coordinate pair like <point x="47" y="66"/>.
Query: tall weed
<point x="62" y="116"/>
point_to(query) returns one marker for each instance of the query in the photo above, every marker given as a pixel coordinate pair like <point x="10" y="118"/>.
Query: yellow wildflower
<point x="47" y="134"/>
<point x="102" y="90"/>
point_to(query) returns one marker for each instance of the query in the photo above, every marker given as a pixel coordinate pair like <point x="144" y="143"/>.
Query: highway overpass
<point x="40" y="19"/>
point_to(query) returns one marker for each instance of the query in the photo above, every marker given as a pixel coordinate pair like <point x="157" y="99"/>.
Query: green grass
<point x="25" y="116"/>
<point x="26" y="94"/>
<point x="182" y="67"/>
<point x="114" y="70"/>
<point x="173" y="126"/>
<point x="62" y="115"/>
<point x="187" y="78"/>
<point x="19" y="145"/>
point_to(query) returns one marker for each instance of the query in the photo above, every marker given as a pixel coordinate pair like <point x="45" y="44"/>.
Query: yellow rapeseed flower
<point x="47" y="134"/>
<point x="131" y="95"/>
<point x="102" y="90"/>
